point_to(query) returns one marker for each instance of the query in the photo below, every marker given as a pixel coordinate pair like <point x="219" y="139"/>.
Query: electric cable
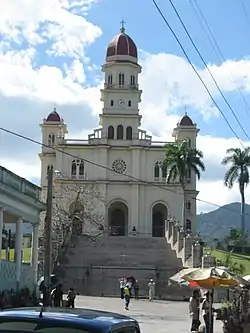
<point x="197" y="73"/>
<point x="214" y="44"/>
<point x="153" y="184"/>
<point x="207" y="68"/>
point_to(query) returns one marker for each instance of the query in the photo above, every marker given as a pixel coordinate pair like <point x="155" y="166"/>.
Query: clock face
<point x="121" y="101"/>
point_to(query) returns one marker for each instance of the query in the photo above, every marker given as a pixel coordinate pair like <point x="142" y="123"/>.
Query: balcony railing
<point x="19" y="184"/>
<point x="121" y="86"/>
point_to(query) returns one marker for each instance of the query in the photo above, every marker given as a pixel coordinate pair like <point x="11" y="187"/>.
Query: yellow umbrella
<point x="212" y="277"/>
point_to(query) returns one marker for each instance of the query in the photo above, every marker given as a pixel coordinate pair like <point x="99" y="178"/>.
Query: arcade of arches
<point x="159" y="215"/>
<point x="118" y="219"/>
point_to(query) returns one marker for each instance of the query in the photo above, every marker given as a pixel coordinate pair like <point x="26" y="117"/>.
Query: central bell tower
<point x="121" y="95"/>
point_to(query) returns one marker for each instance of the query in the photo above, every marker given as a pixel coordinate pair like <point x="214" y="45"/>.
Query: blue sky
<point x="52" y="51"/>
<point x="227" y="21"/>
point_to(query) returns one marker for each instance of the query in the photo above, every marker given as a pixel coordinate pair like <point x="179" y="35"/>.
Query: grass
<point x="239" y="258"/>
<point x="26" y="254"/>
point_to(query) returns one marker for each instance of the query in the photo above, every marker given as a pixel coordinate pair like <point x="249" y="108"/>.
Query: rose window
<point x="119" y="166"/>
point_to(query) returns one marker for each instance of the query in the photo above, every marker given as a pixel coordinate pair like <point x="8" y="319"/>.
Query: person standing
<point x="122" y="286"/>
<point x="207" y="312"/>
<point x="151" y="290"/>
<point x="71" y="298"/>
<point x="129" y="283"/>
<point x="127" y="296"/>
<point x="57" y="296"/>
<point x="194" y="310"/>
<point x="136" y="289"/>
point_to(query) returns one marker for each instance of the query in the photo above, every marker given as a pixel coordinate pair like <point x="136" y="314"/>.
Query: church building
<point x="136" y="194"/>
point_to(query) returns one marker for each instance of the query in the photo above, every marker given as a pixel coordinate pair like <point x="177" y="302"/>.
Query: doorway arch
<point x="118" y="219"/>
<point x="159" y="215"/>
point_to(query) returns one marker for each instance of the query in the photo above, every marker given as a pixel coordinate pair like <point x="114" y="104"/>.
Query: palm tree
<point x="180" y="161"/>
<point x="238" y="172"/>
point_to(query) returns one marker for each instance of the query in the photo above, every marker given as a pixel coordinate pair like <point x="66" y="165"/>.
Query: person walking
<point x="151" y="290"/>
<point x="136" y="289"/>
<point x="194" y="310"/>
<point x="207" y="312"/>
<point x="127" y="296"/>
<point x="71" y="298"/>
<point x="122" y="286"/>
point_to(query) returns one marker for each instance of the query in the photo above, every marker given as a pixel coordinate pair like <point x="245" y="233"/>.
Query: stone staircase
<point x="94" y="267"/>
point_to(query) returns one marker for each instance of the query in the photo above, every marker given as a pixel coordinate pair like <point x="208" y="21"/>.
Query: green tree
<point x="238" y="172"/>
<point x="233" y="266"/>
<point x="181" y="161"/>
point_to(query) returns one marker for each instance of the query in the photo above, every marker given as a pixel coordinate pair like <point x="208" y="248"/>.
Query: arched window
<point x="157" y="170"/>
<point x="189" y="142"/>
<point x="188" y="175"/>
<point x="188" y="205"/>
<point x="81" y="169"/>
<point x="111" y="132"/>
<point x="50" y="166"/>
<point x="129" y="133"/>
<point x="73" y="168"/>
<point x="77" y="168"/>
<point x="164" y="172"/>
<point x="121" y="79"/>
<point x="132" y="80"/>
<point x="129" y="103"/>
<point x="110" y="79"/>
<point x="111" y="102"/>
<point x="51" y="140"/>
<point x="188" y="225"/>
<point x="119" y="134"/>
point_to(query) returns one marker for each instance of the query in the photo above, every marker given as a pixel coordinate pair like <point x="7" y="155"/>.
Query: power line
<point x="214" y="44"/>
<point x="207" y="68"/>
<point x="109" y="169"/>
<point x="245" y="12"/>
<point x="196" y="72"/>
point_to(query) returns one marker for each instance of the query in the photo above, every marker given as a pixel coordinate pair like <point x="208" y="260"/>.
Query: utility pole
<point x="48" y="238"/>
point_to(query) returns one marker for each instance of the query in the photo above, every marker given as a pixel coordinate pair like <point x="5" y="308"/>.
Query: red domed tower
<point x="121" y="94"/>
<point x="122" y="47"/>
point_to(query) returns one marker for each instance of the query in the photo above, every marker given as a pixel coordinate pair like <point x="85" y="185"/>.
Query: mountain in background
<point x="217" y="223"/>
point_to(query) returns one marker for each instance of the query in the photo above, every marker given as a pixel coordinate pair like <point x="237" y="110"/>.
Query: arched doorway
<point x="118" y="219"/>
<point x="159" y="215"/>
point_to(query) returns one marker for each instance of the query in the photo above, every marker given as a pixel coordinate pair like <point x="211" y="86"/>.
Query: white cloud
<point x="30" y="90"/>
<point x="39" y="22"/>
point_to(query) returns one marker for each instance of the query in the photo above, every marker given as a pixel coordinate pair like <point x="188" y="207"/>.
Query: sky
<point x="51" y="52"/>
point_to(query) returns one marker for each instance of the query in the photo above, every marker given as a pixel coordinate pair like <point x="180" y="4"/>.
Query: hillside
<point x="217" y="223"/>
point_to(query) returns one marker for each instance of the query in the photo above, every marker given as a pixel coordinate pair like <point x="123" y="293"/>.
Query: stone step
<point x="94" y="267"/>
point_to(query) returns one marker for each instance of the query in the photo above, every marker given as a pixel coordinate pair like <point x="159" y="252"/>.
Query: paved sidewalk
<point x="158" y="317"/>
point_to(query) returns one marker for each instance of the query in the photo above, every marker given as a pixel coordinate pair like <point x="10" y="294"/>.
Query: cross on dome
<point x="122" y="29"/>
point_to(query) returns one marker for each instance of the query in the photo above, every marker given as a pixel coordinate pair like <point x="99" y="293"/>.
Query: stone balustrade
<point x="187" y="247"/>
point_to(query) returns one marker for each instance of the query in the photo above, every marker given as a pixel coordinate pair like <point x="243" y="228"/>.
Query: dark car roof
<point x="88" y="317"/>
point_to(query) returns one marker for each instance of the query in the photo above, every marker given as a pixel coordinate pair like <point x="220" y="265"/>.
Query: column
<point x="1" y="228"/>
<point x="18" y="248"/>
<point x="34" y="253"/>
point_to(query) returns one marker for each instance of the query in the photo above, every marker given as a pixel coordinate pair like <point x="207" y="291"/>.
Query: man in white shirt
<point x="122" y="286"/>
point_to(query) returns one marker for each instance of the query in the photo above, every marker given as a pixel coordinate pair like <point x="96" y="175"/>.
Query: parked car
<point x="61" y="320"/>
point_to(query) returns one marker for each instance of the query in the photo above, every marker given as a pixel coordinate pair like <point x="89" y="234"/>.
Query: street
<point x="166" y="316"/>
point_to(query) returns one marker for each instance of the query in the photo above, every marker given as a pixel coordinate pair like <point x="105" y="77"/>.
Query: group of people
<point x="197" y="303"/>
<point x="57" y="297"/>
<point x="129" y="284"/>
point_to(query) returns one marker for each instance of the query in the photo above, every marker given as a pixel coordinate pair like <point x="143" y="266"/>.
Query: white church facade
<point x="130" y="177"/>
